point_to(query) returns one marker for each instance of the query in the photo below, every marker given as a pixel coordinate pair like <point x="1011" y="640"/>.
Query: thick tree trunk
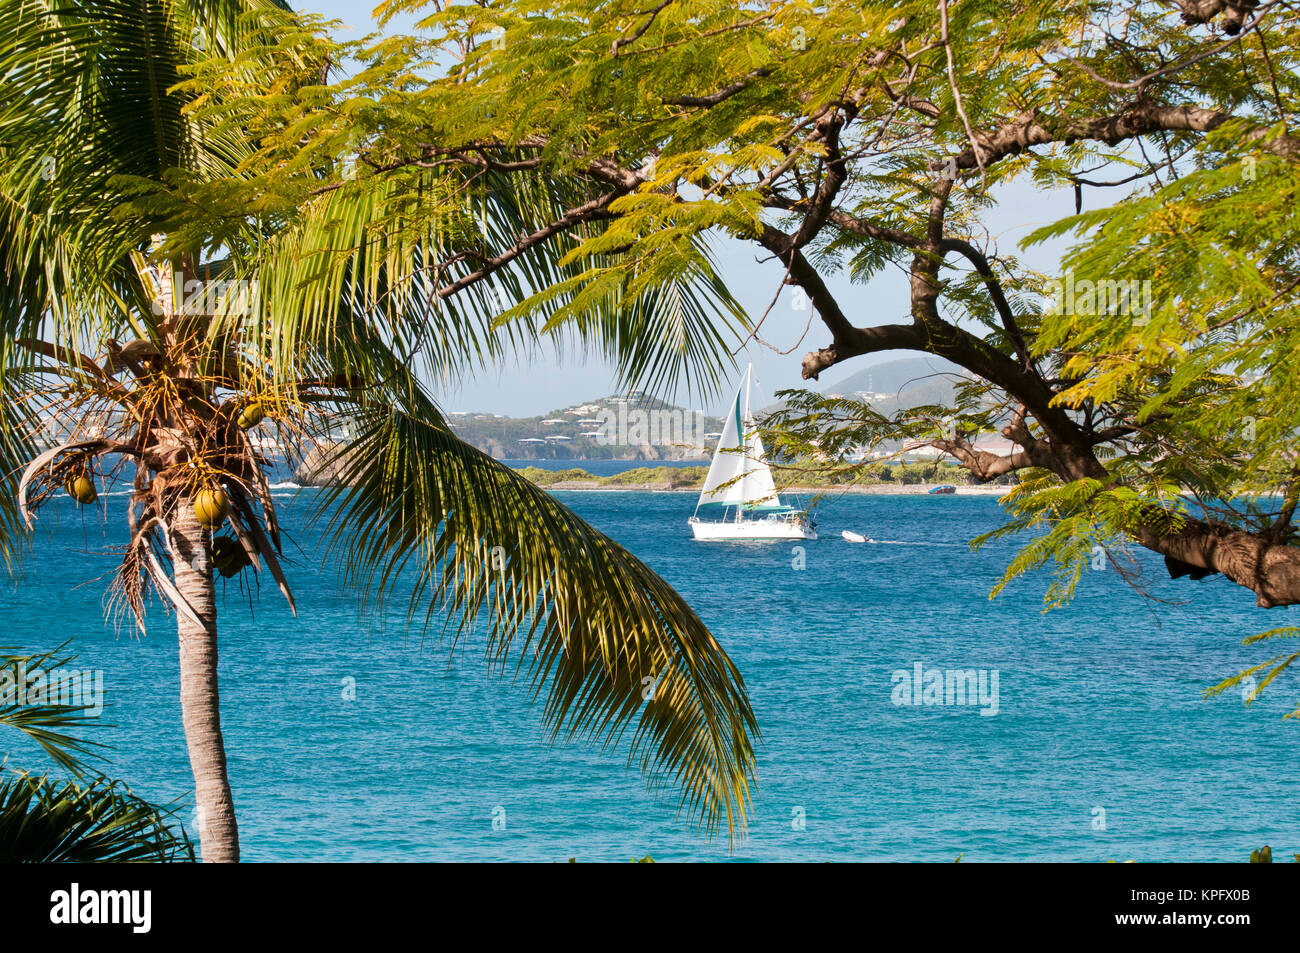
<point x="200" y="702"/>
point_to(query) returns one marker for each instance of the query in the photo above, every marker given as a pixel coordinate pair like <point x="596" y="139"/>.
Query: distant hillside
<point x="895" y="386"/>
<point x="640" y="427"/>
<point x="635" y="427"/>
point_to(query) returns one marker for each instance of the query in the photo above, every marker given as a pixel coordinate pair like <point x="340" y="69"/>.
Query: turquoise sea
<point x="1102" y="746"/>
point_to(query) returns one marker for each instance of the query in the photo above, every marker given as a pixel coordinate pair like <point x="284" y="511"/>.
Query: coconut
<point x="211" y="507"/>
<point x="82" y="489"/>
<point x="228" y="555"/>
<point x="252" y="415"/>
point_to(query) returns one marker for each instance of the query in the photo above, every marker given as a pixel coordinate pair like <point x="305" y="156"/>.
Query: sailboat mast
<point x="746" y="464"/>
<point x="749" y="382"/>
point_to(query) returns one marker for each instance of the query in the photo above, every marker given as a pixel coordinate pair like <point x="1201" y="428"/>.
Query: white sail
<point x="739" y="475"/>
<point x="759" y="490"/>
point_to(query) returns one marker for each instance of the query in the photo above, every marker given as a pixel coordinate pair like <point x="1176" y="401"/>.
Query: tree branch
<point x="1032" y="129"/>
<point x="985" y="271"/>
<point x="722" y="95"/>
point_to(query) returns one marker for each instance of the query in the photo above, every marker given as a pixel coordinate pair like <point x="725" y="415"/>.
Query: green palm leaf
<point x="606" y="638"/>
<point x="408" y="252"/>
<point x="46" y="724"/>
<point x="47" y="821"/>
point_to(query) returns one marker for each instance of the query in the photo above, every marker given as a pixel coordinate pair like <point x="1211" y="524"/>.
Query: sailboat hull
<point x="752" y="529"/>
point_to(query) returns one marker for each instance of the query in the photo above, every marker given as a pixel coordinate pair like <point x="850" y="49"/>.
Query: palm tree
<point x="146" y="332"/>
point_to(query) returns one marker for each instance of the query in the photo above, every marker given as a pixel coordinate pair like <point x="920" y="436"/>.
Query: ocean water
<point x="1102" y="746"/>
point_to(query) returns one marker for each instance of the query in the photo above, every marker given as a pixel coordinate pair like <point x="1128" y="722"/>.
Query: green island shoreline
<point x="897" y="478"/>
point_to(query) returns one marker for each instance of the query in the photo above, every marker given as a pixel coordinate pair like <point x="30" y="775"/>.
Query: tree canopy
<point x="1146" y="385"/>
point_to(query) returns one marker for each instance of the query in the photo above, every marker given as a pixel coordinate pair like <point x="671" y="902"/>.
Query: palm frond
<point x="418" y="255"/>
<point x="609" y="642"/>
<point x="48" y="821"/>
<point x="48" y="724"/>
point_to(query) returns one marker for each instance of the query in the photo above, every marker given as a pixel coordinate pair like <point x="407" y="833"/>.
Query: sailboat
<point x="739" y="487"/>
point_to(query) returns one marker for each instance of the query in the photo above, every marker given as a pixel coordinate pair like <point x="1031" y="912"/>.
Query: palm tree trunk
<point x="200" y="702"/>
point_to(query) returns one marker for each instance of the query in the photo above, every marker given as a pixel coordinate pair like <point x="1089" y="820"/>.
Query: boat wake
<point x="913" y="542"/>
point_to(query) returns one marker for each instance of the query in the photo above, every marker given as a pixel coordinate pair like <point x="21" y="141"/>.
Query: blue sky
<point x="542" y="384"/>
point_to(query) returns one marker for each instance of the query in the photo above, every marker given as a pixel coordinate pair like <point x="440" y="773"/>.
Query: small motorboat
<point x="945" y="489"/>
<point x="856" y="537"/>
